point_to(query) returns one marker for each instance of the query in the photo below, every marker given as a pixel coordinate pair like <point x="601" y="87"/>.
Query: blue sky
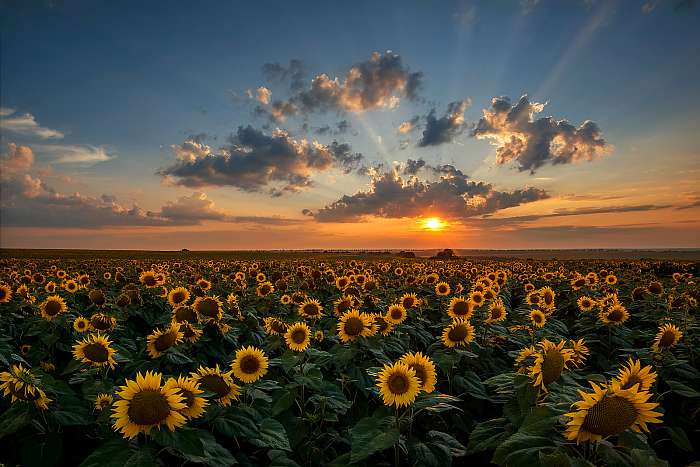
<point x="135" y="78"/>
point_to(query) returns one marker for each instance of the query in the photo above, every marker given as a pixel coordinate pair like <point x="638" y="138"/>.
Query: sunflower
<point x="496" y="312"/>
<point x="342" y="305"/>
<point x="298" y="336"/>
<point x="424" y="368"/>
<point x="609" y="411"/>
<point x="614" y="316"/>
<point x="5" y="293"/>
<point x="354" y="324"/>
<point x="95" y="350"/>
<point x="633" y="374"/>
<point x="52" y="307"/>
<point x="477" y="298"/>
<point x="97" y="297"/>
<point x="250" y="364"/>
<point x="398" y="384"/>
<point x="396" y="314"/>
<point x="185" y="314"/>
<point x="525" y="359"/>
<point x="533" y="298"/>
<point x="580" y="352"/>
<point x="667" y="337"/>
<point x="611" y="279"/>
<point x="552" y="359"/>
<point x="81" y="324"/>
<point x="285" y="299"/>
<point x="311" y="309"/>
<point x="409" y="300"/>
<point x="189" y="332"/>
<point x="102" y="322"/>
<point x="21" y="384"/>
<point x="50" y="287"/>
<point x="442" y="289"/>
<point x="547" y="295"/>
<point x="457" y="334"/>
<point x="656" y="288"/>
<point x="145" y="404"/>
<point x="538" y="318"/>
<point x="264" y="289"/>
<point x="190" y="391"/>
<point x="148" y="278"/>
<point x="460" y="308"/>
<point x="178" y="296"/>
<point x="160" y="341"/>
<point x="585" y="304"/>
<point x="383" y="326"/>
<point x="209" y="308"/>
<point x="204" y="284"/>
<point x="103" y="401"/>
<point x="221" y="384"/>
<point x="274" y="327"/>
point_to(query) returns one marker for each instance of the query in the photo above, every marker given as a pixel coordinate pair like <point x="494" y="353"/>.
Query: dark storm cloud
<point x="380" y="82"/>
<point x="295" y="72"/>
<point x="444" y="129"/>
<point x="254" y="161"/>
<point x="530" y="143"/>
<point x="453" y="196"/>
<point x="341" y="128"/>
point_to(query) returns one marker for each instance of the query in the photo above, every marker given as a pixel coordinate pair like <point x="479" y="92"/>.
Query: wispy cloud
<point x="26" y="125"/>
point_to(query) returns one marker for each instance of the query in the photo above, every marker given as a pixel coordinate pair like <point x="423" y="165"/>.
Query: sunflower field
<point x="332" y="360"/>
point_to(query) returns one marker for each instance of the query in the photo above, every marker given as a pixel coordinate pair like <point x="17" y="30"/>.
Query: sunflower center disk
<point x="298" y="336"/>
<point x="53" y="308"/>
<point x="552" y="366"/>
<point x="667" y="339"/>
<point x="188" y="396"/>
<point x="149" y="408"/>
<point x="215" y="384"/>
<point x="354" y="326"/>
<point x="398" y="384"/>
<point x="461" y="308"/>
<point x="457" y="334"/>
<point x="208" y="308"/>
<point x="250" y="364"/>
<point x="420" y="373"/>
<point x="165" y="341"/>
<point x="96" y="353"/>
<point x="610" y="416"/>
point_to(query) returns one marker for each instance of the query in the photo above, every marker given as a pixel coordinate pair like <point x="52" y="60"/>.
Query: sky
<point x="283" y="125"/>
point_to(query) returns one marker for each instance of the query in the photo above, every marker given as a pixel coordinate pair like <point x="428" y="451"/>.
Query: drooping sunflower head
<point x="525" y="359"/>
<point x="144" y="404"/>
<point x="250" y="364"/>
<point x="383" y="326"/>
<point x="459" y="333"/>
<point x="81" y="324"/>
<point x="442" y="289"/>
<point x="218" y="382"/>
<point x="633" y="374"/>
<point x="667" y="337"/>
<point x="579" y="352"/>
<point x="178" y="296"/>
<point x="396" y="314"/>
<point x="52" y="307"/>
<point x="298" y="336"/>
<point x="190" y="391"/>
<point x="264" y="289"/>
<point x="23" y="386"/>
<point x="551" y="361"/>
<point x="190" y="333"/>
<point x="354" y="324"/>
<point x="185" y="314"/>
<point x="274" y="327"/>
<point x="342" y="305"/>
<point x="209" y="308"/>
<point x="461" y="308"/>
<point x="95" y="350"/>
<point x="102" y="322"/>
<point x="311" y="309"/>
<point x="97" y="297"/>
<point x="609" y="411"/>
<point x="103" y="401"/>
<point x="160" y="341"/>
<point x="398" y="384"/>
<point x="424" y="369"/>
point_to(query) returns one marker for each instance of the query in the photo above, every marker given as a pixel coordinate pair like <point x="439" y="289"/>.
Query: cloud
<point x="295" y="72"/>
<point x="569" y="212"/>
<point x="409" y="125"/>
<point x="82" y="154"/>
<point x="380" y="82"/>
<point x="453" y="196"/>
<point x="263" y="95"/>
<point x="254" y="162"/>
<point x="341" y="128"/>
<point x="530" y="142"/>
<point x="446" y="128"/>
<point x="26" y="125"/>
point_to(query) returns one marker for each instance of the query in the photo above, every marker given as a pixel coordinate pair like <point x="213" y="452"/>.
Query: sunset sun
<point x="434" y="224"/>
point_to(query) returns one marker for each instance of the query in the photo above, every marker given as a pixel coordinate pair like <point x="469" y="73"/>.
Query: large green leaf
<point x="372" y="434"/>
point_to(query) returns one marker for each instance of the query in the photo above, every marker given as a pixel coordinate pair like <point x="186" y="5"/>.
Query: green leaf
<point x="14" y="419"/>
<point x="272" y="434"/>
<point x="372" y="434"/>
<point x="280" y="459"/>
<point x="113" y="453"/>
<point x="682" y="389"/>
<point x="184" y="440"/>
<point x="488" y="435"/>
<point x="679" y="438"/>
<point x="42" y="450"/>
<point x="557" y="458"/>
<point x="144" y="457"/>
<point x="521" y="449"/>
